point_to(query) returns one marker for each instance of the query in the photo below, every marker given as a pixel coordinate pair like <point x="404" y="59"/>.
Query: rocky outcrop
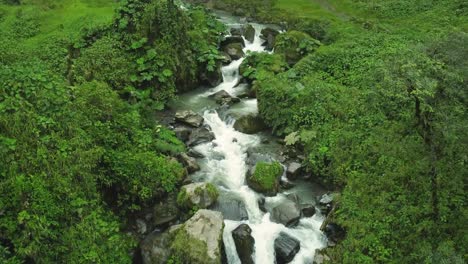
<point x="199" y="195"/>
<point x="234" y="50"/>
<point x="249" y="124"/>
<point x="287" y="213"/>
<point x="294" y="170"/>
<point x="308" y="210"/>
<point x="335" y="233"/>
<point x="286" y="248"/>
<point x="165" y="212"/>
<point x="325" y="203"/>
<point x="224" y="98"/>
<point x="269" y="35"/>
<point x="233" y="40"/>
<point x="189" y="117"/>
<point x="249" y="32"/>
<point x="214" y="77"/>
<point x="200" y="239"/>
<point x="231" y="209"/>
<point x="183" y="132"/>
<point x="265" y="178"/>
<point x="155" y="248"/>
<point x="199" y="136"/>
<point x="244" y="243"/>
<point x="189" y="163"/>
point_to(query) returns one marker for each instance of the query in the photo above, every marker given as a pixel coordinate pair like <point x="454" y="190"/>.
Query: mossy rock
<point x="266" y="178"/>
<point x="199" y="240"/>
<point x="197" y="195"/>
<point x="250" y="124"/>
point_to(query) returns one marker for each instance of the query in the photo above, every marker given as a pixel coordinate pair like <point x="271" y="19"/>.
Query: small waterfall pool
<point x="225" y="165"/>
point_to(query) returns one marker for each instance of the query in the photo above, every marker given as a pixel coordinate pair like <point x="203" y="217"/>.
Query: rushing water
<point x="225" y="164"/>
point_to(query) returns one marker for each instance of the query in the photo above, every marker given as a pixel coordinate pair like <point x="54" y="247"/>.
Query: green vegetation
<point x="266" y="176"/>
<point x="80" y="149"/>
<point x="380" y="111"/>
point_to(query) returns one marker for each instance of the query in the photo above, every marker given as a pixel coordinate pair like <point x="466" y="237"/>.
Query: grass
<point x="63" y="19"/>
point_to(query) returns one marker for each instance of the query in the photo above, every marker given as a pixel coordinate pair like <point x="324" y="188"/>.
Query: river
<point x="225" y="164"/>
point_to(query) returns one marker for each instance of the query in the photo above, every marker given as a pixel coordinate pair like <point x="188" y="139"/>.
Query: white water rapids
<point x="225" y="166"/>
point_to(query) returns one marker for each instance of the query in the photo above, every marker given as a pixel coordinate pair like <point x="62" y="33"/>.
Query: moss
<point x="182" y="198"/>
<point x="212" y="191"/>
<point x="265" y="178"/>
<point x="186" y="249"/>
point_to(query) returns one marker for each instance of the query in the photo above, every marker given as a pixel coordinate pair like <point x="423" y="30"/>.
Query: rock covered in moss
<point x="234" y="50"/>
<point x="200" y="239"/>
<point x="249" y="124"/>
<point x="249" y="32"/>
<point x="198" y="195"/>
<point x="266" y="178"/>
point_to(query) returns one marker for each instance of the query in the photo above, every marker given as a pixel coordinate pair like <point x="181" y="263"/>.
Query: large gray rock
<point x="233" y="40"/>
<point x="249" y="32"/>
<point x="155" y="248"/>
<point x="215" y="77"/>
<point x="249" y="124"/>
<point x="189" y="163"/>
<point x="234" y="50"/>
<point x="269" y="35"/>
<point x="199" y="136"/>
<point x="287" y="213"/>
<point x="200" y="239"/>
<point x="244" y="243"/>
<point x="189" y="117"/>
<point x="286" y="248"/>
<point x="224" y="98"/>
<point x="294" y="169"/>
<point x="231" y="209"/>
<point x="183" y="132"/>
<point x="165" y="212"/>
<point x="200" y="195"/>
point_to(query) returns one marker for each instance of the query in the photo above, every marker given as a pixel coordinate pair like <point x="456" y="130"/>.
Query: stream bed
<point x="226" y="164"/>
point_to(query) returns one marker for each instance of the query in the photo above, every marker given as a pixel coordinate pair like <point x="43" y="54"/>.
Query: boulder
<point x="308" y="210"/>
<point x="215" y="77"/>
<point x="231" y="209"/>
<point x="165" y="212"/>
<point x="224" y="98"/>
<point x="249" y="124"/>
<point x="294" y="169"/>
<point x="183" y="132"/>
<point x="236" y="31"/>
<point x="155" y="248"/>
<point x="249" y="33"/>
<point x="189" y="163"/>
<point x="199" y="195"/>
<point x="141" y="227"/>
<point x="189" y="117"/>
<point x="325" y="203"/>
<point x="287" y="213"/>
<point x="199" y="136"/>
<point x="334" y="232"/>
<point x="265" y="178"/>
<point x="200" y="239"/>
<point x="244" y="243"/>
<point x="226" y="59"/>
<point x="233" y="40"/>
<point x="286" y="248"/>
<point x="269" y="35"/>
<point x="234" y="50"/>
<point x="195" y="154"/>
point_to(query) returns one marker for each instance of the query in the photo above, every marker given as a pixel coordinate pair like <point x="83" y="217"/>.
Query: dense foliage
<point x="381" y="114"/>
<point x="79" y="147"/>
